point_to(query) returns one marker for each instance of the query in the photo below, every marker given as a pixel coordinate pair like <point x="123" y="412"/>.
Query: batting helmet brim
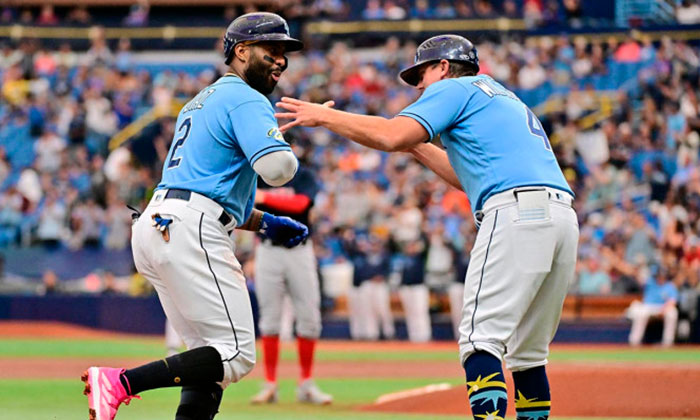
<point x="411" y="75"/>
<point x="290" y="44"/>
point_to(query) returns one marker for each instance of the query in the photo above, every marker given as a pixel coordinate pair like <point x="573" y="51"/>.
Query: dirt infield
<point x="628" y="390"/>
<point x="578" y="389"/>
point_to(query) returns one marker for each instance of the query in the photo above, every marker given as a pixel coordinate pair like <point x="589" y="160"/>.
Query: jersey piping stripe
<point x="481" y="279"/>
<point x="258" y="153"/>
<point x="206" y="254"/>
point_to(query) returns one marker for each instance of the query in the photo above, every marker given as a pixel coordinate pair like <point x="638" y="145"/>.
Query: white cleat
<point x="309" y="393"/>
<point x="267" y="395"/>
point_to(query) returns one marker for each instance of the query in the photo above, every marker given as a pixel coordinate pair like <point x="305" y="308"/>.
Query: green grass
<point x="62" y="400"/>
<point x="148" y="348"/>
<point x="34" y="399"/>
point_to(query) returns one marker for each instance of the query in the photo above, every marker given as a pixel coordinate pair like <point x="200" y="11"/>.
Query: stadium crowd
<point x="635" y="169"/>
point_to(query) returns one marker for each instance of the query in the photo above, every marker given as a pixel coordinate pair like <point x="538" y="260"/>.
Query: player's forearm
<point x="436" y="160"/>
<point x="253" y="222"/>
<point x="370" y="131"/>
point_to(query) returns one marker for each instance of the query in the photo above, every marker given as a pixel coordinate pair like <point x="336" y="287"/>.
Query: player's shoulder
<point x="236" y="92"/>
<point x="471" y="82"/>
<point x="454" y="85"/>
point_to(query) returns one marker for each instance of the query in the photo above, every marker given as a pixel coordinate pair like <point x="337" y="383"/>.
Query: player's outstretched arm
<point x="436" y="159"/>
<point x="390" y="135"/>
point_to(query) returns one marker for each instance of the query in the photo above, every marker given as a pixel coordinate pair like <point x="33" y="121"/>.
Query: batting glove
<point x="283" y="230"/>
<point x="161" y="224"/>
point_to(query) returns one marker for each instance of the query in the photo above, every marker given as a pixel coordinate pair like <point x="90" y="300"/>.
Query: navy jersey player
<point x="294" y="274"/>
<point x="225" y="137"/>
<point x="524" y="255"/>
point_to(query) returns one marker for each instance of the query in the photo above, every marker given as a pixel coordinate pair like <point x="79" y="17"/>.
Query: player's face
<point x="267" y="62"/>
<point x="431" y="73"/>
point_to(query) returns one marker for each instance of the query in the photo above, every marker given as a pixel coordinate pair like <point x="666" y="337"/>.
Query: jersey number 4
<point x="186" y="126"/>
<point x="536" y="129"/>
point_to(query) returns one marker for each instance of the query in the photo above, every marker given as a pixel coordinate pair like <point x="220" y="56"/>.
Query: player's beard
<point x="259" y="75"/>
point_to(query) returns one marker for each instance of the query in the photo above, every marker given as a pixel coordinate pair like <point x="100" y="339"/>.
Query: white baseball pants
<point x="198" y="279"/>
<point x="370" y="310"/>
<point x="521" y="266"/>
<point x="415" y="300"/>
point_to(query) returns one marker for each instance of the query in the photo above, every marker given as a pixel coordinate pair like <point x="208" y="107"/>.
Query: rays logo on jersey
<point x="275" y="133"/>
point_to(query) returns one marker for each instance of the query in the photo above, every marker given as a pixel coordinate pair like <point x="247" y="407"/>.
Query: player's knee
<point x="269" y="328"/>
<point x="237" y="368"/>
<point x="466" y="349"/>
<point x="309" y="326"/>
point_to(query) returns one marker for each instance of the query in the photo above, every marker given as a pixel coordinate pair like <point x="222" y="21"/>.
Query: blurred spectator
<point x="484" y="9"/>
<point x="65" y="57"/>
<point x="628" y="52"/>
<point x="48" y="149"/>
<point x="118" y="223"/>
<point x="79" y="15"/>
<point x="99" y="53"/>
<point x="660" y="298"/>
<point x="573" y="13"/>
<point x="444" y="10"/>
<point x="531" y="75"/>
<point x="421" y="10"/>
<point x="593" y="279"/>
<point x="373" y="10"/>
<point x="51" y="229"/>
<point x="50" y="284"/>
<point x="109" y="284"/>
<point x="47" y="16"/>
<point x="688" y="13"/>
<point x="138" y="14"/>
<point x="123" y="59"/>
<point x="440" y="258"/>
<point x="393" y="11"/>
<point x="414" y="294"/>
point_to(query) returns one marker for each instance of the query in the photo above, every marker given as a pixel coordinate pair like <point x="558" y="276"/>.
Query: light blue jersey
<point x="219" y="135"/>
<point x="494" y="141"/>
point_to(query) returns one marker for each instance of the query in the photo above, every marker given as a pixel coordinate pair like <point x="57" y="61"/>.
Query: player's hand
<point x="302" y="113"/>
<point x="282" y="230"/>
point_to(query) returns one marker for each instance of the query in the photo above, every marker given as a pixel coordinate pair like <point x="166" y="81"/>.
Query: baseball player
<point x="294" y="273"/>
<point x="524" y="255"/>
<point x="225" y="137"/>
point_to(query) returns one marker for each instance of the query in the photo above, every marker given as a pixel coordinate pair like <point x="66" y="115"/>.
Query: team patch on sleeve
<point x="275" y="133"/>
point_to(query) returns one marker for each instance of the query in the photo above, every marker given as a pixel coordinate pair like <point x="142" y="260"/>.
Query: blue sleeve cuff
<point x="267" y="150"/>
<point x="422" y="121"/>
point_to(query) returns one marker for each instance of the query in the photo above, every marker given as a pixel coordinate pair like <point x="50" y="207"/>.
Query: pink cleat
<point x="105" y="392"/>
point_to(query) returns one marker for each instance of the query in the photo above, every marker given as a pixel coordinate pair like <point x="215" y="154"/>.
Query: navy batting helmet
<point x="442" y="47"/>
<point x="259" y="26"/>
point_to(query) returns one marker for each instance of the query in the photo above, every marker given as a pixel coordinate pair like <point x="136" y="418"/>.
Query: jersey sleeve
<point x="439" y="106"/>
<point x="256" y="130"/>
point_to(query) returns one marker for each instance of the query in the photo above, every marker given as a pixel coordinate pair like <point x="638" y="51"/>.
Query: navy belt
<point x="178" y="194"/>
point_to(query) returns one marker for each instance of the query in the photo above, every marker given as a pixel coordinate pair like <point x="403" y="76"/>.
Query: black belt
<point x="225" y="218"/>
<point x="269" y="241"/>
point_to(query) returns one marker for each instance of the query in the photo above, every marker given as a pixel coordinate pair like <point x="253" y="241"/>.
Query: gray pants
<point x="280" y="271"/>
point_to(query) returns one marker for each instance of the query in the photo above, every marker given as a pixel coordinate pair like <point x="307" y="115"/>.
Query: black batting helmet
<point x="259" y="26"/>
<point x="442" y="47"/>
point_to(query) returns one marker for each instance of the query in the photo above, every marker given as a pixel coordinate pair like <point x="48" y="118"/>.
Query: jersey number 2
<point x="536" y="129"/>
<point x="186" y="126"/>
